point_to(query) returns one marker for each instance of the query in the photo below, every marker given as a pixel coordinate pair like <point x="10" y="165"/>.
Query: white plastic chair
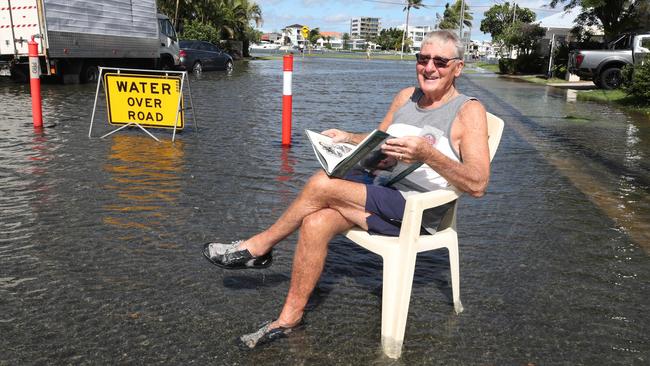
<point x="399" y="253"/>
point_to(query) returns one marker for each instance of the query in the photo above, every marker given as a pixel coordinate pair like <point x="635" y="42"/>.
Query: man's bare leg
<point x="319" y="193"/>
<point x="316" y="232"/>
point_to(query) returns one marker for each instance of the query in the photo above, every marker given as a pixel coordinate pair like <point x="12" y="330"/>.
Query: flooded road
<point x="100" y="239"/>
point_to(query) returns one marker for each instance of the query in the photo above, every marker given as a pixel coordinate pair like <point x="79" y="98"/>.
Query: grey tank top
<point x="435" y="125"/>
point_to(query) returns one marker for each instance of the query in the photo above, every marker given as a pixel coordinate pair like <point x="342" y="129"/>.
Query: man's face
<point x="433" y="73"/>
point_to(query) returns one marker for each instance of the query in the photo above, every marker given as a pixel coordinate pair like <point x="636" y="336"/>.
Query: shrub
<point x="507" y="65"/>
<point x="524" y="64"/>
<point x="636" y="81"/>
<point x="530" y="64"/>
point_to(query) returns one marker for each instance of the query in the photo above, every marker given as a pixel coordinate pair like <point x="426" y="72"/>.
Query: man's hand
<point x="408" y="149"/>
<point x="338" y="135"/>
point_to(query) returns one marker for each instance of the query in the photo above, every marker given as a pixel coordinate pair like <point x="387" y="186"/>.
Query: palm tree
<point x="346" y="39"/>
<point x="456" y="16"/>
<point x="415" y="4"/>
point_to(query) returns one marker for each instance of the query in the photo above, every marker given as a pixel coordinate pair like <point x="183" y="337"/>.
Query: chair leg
<point x="454" y="266"/>
<point x="396" y="296"/>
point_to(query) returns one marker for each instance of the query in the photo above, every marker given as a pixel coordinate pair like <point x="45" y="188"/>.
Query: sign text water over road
<point x="149" y="100"/>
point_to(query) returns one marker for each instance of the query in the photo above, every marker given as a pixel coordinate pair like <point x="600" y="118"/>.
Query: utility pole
<point x="462" y="16"/>
<point x="176" y="15"/>
<point x="406" y="29"/>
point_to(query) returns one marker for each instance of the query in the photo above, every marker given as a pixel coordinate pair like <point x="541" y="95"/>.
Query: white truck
<point x="604" y="66"/>
<point x="76" y="36"/>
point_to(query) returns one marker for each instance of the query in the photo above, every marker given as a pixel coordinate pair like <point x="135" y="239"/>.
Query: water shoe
<point x="227" y="256"/>
<point x="265" y="335"/>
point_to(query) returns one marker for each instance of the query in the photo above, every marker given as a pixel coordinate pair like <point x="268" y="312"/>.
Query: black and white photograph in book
<point x="364" y="162"/>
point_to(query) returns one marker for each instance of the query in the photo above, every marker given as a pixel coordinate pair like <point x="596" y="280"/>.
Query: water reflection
<point x="145" y="177"/>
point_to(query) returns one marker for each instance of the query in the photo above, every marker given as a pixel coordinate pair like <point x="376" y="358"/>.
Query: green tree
<point x="314" y="35"/>
<point x="390" y="39"/>
<point x="523" y="36"/>
<point x="500" y="16"/>
<point x="346" y="40"/>
<point x="197" y="30"/>
<point x="451" y="16"/>
<point x="415" y="4"/>
<point x="234" y="19"/>
<point x="328" y="45"/>
<point x="615" y="16"/>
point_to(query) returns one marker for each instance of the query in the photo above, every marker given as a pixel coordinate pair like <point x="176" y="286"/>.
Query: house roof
<point x="565" y="21"/>
<point x="331" y="34"/>
<point x="562" y="20"/>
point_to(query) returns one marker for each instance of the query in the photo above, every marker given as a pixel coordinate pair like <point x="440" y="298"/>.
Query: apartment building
<point x="416" y="34"/>
<point x="364" y="27"/>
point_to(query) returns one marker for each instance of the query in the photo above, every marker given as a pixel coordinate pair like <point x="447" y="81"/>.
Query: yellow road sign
<point x="305" y="31"/>
<point x="149" y="100"/>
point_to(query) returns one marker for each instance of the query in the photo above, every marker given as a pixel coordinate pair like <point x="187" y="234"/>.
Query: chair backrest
<point x="495" y="129"/>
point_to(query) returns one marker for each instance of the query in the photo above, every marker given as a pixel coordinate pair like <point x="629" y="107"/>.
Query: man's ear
<point x="459" y="68"/>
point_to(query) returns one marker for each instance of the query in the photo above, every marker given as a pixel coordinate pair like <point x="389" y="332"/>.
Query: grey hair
<point x="444" y="36"/>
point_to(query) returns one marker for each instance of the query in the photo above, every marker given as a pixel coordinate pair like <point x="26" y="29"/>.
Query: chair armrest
<point x="417" y="203"/>
<point x="423" y="201"/>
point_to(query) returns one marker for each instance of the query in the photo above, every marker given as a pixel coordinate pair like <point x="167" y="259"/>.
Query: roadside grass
<point x="487" y="66"/>
<point x="542" y="80"/>
<point x="618" y="97"/>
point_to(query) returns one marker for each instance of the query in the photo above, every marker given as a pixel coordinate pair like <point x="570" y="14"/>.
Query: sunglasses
<point x="439" y="62"/>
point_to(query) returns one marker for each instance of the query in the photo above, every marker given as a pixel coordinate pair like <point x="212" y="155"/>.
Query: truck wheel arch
<point x="608" y="64"/>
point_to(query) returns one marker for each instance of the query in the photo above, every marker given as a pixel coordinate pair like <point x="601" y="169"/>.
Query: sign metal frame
<point x="153" y="74"/>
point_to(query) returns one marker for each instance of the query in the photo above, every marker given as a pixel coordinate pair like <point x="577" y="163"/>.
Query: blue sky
<point x="335" y="15"/>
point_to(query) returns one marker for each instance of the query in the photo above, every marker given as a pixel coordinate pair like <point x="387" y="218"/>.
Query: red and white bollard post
<point x="35" y="83"/>
<point x="287" y="99"/>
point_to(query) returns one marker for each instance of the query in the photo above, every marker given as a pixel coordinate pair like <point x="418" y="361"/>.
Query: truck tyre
<point x="89" y="74"/>
<point x="166" y="63"/>
<point x="19" y="73"/>
<point x="197" y="68"/>
<point x="611" y="78"/>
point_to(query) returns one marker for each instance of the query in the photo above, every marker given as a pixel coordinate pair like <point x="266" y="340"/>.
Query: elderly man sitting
<point x="432" y="123"/>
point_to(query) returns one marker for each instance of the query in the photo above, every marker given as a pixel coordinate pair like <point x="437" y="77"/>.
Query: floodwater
<point x="100" y="239"/>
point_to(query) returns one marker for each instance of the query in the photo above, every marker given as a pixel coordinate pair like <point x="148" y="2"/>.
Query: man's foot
<point x="266" y="334"/>
<point x="229" y="256"/>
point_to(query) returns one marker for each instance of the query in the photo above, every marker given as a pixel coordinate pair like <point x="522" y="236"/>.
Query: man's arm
<point x="468" y="136"/>
<point x="355" y="138"/>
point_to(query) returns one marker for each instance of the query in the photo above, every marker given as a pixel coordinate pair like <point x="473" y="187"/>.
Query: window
<point x="166" y="28"/>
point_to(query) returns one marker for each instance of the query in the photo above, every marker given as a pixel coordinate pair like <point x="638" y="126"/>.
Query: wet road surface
<point x="100" y="239"/>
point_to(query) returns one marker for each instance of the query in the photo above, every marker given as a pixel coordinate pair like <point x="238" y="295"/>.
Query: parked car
<point x="199" y="56"/>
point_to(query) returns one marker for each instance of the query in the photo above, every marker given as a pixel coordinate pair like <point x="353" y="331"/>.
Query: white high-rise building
<point x="364" y="27"/>
<point x="416" y="34"/>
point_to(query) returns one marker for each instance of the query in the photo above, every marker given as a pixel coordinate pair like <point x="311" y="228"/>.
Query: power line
<point x="469" y="5"/>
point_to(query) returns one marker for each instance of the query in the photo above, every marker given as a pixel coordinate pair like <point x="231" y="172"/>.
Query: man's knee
<point x="320" y="182"/>
<point x="316" y="221"/>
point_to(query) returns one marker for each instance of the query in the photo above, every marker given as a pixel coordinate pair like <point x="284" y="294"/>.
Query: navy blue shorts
<point x="386" y="207"/>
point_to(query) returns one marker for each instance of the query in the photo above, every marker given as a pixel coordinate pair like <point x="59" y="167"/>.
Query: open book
<point x="343" y="160"/>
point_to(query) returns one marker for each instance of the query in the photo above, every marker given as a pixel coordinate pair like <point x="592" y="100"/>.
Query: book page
<point x="329" y="153"/>
<point x="380" y="169"/>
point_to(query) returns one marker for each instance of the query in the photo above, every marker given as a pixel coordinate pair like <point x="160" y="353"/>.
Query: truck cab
<point x="169" y="49"/>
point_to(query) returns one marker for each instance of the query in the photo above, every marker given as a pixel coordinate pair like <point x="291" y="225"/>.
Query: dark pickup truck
<point x="604" y="66"/>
